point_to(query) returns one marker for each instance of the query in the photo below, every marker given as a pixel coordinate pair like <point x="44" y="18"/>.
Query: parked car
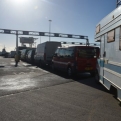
<point x="75" y="59"/>
<point x="6" y="55"/>
<point x="30" y="56"/>
<point x="24" y="53"/>
<point x="44" y="52"/>
<point x="12" y="54"/>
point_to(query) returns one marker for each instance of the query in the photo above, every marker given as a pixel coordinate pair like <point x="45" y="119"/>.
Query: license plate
<point x="88" y="68"/>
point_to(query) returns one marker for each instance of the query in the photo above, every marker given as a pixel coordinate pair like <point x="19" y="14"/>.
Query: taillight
<point x="44" y="56"/>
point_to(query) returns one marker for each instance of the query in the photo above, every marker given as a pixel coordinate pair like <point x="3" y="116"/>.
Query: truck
<point x="45" y="51"/>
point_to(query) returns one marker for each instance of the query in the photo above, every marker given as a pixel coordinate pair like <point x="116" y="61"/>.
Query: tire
<point x="96" y="76"/>
<point x="113" y="91"/>
<point x="40" y="64"/>
<point x="52" y="66"/>
<point x="92" y="74"/>
<point x="69" y="72"/>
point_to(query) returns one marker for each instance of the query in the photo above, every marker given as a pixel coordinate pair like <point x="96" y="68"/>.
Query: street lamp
<point x="49" y="28"/>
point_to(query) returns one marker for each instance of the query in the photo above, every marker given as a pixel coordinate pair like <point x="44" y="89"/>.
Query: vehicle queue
<point x="71" y="59"/>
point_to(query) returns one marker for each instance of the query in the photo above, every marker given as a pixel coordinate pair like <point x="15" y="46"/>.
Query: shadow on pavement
<point x="84" y="78"/>
<point x="2" y="66"/>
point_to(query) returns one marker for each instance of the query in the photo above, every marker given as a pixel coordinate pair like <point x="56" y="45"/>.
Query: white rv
<point x="45" y="51"/>
<point x="108" y="33"/>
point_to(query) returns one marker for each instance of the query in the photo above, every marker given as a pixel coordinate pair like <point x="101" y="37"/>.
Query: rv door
<point x="102" y="57"/>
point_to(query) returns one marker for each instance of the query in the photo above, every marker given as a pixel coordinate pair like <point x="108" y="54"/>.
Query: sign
<point x="26" y="40"/>
<point x="25" y="33"/>
<point x="69" y="36"/>
<point x="7" y="31"/>
<point x="82" y="37"/>
<point x="41" y="33"/>
<point x="56" y="35"/>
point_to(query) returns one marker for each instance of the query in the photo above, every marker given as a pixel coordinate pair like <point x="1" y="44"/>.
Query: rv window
<point x="98" y="29"/>
<point x="111" y="36"/>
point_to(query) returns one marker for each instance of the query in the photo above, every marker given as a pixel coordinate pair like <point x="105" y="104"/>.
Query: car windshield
<point x="86" y="52"/>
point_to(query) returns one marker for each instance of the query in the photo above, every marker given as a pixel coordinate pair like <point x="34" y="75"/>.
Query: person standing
<point x="17" y="58"/>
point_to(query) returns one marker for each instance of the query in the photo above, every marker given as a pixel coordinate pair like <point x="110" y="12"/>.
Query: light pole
<point x="49" y="28"/>
<point x="40" y="39"/>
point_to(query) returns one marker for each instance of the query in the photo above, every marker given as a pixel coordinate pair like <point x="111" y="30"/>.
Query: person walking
<point x="17" y="58"/>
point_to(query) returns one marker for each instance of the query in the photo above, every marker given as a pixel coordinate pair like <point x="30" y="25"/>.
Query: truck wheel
<point x="69" y="72"/>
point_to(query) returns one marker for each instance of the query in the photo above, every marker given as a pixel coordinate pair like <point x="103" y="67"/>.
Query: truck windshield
<point x="86" y="53"/>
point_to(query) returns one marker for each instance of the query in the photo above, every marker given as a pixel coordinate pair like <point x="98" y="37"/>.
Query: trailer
<point x="108" y="34"/>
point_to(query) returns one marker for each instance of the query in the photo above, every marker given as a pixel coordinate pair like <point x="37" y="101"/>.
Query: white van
<point x="45" y="51"/>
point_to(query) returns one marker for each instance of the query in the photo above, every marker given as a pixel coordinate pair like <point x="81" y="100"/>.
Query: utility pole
<point x="17" y="55"/>
<point x="17" y="42"/>
<point x="40" y="39"/>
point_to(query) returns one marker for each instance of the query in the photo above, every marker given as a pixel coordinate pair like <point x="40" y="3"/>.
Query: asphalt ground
<point x="30" y="93"/>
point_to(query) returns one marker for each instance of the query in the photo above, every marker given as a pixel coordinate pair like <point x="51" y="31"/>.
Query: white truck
<point x="45" y="51"/>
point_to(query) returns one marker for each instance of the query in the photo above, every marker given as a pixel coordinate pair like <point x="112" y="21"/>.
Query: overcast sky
<point x="77" y="17"/>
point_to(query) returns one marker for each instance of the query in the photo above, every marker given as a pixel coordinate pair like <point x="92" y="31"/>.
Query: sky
<point x="78" y="17"/>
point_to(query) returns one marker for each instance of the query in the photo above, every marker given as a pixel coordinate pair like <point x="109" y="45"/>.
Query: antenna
<point x="118" y="3"/>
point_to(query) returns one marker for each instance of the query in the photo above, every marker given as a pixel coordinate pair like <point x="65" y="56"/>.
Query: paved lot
<point x="28" y="93"/>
